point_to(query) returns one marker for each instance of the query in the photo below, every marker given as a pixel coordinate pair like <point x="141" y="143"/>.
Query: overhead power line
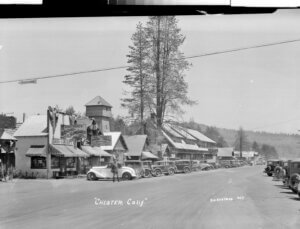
<point x="122" y="67"/>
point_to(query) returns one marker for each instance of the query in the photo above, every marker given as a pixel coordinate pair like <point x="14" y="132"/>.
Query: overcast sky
<point x="257" y="89"/>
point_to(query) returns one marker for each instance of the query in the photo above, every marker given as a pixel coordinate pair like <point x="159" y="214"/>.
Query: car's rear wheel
<point x="126" y="176"/>
<point x="186" y="170"/>
<point x="147" y="173"/>
<point x="91" y="176"/>
<point x="171" y="171"/>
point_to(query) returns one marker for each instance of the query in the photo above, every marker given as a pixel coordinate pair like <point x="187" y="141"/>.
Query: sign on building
<point x="101" y="140"/>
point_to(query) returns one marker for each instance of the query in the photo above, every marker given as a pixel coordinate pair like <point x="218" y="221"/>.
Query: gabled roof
<point x="95" y="151"/>
<point x="199" y="136"/>
<point x="182" y="144"/>
<point x="183" y="132"/>
<point x="148" y="155"/>
<point x="225" y="152"/>
<point x="115" y="137"/>
<point x="170" y="130"/>
<point x="35" y="125"/>
<point x="98" y="101"/>
<point x="6" y="136"/>
<point x="135" y="144"/>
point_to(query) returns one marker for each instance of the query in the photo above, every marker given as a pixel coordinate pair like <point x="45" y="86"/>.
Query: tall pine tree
<point x="157" y="70"/>
<point x="137" y="79"/>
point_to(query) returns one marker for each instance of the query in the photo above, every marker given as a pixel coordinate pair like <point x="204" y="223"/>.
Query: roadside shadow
<point x="281" y="186"/>
<point x="288" y="193"/>
<point x="295" y="198"/>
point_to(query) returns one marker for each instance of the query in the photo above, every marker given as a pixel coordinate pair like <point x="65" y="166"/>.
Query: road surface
<point x="225" y="198"/>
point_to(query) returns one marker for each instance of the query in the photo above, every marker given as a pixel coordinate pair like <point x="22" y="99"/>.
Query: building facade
<point x="100" y="110"/>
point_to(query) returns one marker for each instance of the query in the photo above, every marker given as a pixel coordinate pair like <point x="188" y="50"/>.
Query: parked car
<point x="196" y="166"/>
<point x="142" y="168"/>
<point x="294" y="179"/>
<point x="163" y="167"/>
<point x="278" y="170"/>
<point x="285" y="173"/>
<point x="184" y="166"/>
<point x="104" y="172"/>
<point x="215" y="165"/>
<point x="225" y="163"/>
<point x="235" y="163"/>
<point x="271" y="164"/>
<point x="205" y="166"/>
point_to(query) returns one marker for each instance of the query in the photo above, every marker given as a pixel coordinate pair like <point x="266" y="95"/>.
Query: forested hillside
<point x="286" y="145"/>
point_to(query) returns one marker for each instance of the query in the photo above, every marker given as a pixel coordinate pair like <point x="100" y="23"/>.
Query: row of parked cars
<point x="145" y="169"/>
<point x="233" y="163"/>
<point x="287" y="171"/>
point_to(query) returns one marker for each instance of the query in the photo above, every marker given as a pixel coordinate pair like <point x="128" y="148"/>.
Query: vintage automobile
<point x="278" y="170"/>
<point x="225" y="164"/>
<point x="196" y="165"/>
<point x="271" y="164"/>
<point x="206" y="166"/>
<point x="183" y="166"/>
<point x="163" y="167"/>
<point x="215" y="165"/>
<point x="104" y="172"/>
<point x="235" y="163"/>
<point x="294" y="175"/>
<point x="142" y="168"/>
<point x="285" y="173"/>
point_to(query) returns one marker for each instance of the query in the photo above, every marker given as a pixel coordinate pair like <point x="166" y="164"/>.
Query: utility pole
<point x="241" y="144"/>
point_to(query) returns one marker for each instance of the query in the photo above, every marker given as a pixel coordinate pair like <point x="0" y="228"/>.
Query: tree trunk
<point x="158" y="77"/>
<point x="141" y="90"/>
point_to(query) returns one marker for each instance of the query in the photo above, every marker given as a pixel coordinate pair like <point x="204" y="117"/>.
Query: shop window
<point x="54" y="162"/>
<point x="70" y="162"/>
<point x="38" y="162"/>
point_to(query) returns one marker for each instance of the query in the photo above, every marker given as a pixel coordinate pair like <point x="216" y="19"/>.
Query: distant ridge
<point x="287" y="145"/>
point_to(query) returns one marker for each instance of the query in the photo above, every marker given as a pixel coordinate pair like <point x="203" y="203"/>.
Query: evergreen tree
<point x="157" y="70"/>
<point x="169" y="89"/>
<point x="241" y="142"/>
<point x="213" y="134"/>
<point x="137" y="79"/>
<point x="255" y="147"/>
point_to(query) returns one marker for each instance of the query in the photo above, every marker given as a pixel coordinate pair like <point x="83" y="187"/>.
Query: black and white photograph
<point x="151" y="119"/>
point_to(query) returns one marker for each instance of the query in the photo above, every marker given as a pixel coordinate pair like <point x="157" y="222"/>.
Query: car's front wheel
<point x="158" y="173"/>
<point x="91" y="176"/>
<point x="126" y="176"/>
<point x="186" y="170"/>
<point x="171" y="172"/>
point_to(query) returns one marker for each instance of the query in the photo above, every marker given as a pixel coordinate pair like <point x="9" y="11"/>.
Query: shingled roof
<point x="35" y="125"/>
<point x="136" y="144"/>
<point x="98" y="101"/>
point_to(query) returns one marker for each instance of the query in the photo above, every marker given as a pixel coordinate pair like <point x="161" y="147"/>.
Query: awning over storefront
<point x="95" y="151"/>
<point x="102" y="152"/>
<point x="66" y="151"/>
<point x="35" y="151"/>
<point x="90" y="150"/>
<point x="148" y="155"/>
